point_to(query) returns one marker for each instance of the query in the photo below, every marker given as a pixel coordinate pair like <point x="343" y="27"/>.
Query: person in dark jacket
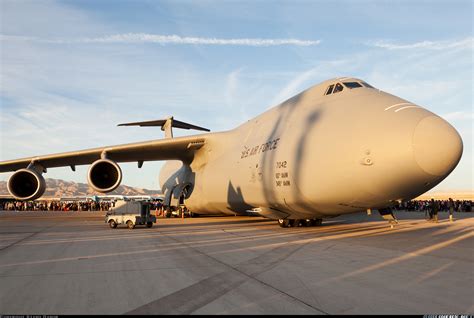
<point x="451" y="209"/>
<point x="434" y="210"/>
<point x="431" y="209"/>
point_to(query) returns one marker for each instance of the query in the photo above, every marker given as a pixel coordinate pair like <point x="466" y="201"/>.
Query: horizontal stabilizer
<point x="161" y="122"/>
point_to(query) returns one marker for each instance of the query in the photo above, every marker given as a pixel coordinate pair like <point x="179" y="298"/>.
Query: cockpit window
<point x="338" y="88"/>
<point x="351" y="85"/>
<point x="329" y="90"/>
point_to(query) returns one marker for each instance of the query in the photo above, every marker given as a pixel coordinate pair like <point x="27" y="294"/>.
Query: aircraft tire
<point x="317" y="222"/>
<point x="284" y="223"/>
<point x="168" y="212"/>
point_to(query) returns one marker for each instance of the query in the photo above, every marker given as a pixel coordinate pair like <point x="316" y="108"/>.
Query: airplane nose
<point x="437" y="146"/>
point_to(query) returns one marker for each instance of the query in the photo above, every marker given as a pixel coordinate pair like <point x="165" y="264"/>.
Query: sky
<point x="70" y="71"/>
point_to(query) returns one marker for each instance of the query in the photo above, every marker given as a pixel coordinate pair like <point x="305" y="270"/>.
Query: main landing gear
<point x="297" y="223"/>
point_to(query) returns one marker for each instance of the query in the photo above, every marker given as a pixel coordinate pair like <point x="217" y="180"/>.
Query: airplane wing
<point x="181" y="148"/>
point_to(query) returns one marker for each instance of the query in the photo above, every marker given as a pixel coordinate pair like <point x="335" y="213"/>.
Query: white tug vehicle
<point x="130" y="213"/>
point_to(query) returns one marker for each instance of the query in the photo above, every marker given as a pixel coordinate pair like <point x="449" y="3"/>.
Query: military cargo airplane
<point x="339" y="147"/>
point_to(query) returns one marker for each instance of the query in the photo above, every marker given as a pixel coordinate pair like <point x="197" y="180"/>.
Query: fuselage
<point x="320" y="154"/>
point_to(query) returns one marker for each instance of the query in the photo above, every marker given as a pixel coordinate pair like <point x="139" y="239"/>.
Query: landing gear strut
<point x="297" y="222"/>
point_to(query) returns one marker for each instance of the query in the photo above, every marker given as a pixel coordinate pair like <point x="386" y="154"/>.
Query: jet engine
<point x="104" y="175"/>
<point x="26" y="184"/>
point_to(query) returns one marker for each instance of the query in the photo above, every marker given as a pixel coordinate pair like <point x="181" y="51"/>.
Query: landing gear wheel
<point x="317" y="222"/>
<point x="284" y="223"/>
<point x="308" y="222"/>
<point x="149" y="224"/>
<point x="130" y="224"/>
<point x="112" y="224"/>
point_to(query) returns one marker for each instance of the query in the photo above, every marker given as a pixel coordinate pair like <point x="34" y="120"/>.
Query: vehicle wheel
<point x="284" y="222"/>
<point x="149" y="224"/>
<point x="112" y="224"/>
<point x="130" y="224"/>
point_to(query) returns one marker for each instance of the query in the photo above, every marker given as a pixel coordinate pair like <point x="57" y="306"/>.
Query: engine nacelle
<point x="104" y="175"/>
<point x="26" y="184"/>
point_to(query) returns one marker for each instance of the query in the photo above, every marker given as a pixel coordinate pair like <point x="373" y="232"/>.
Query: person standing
<point x="431" y="209"/>
<point x="435" y="211"/>
<point x="451" y="209"/>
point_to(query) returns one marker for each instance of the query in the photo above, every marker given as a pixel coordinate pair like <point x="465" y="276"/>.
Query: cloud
<point x="431" y="45"/>
<point x="294" y="86"/>
<point x="167" y="39"/>
<point x="323" y="71"/>
<point x="232" y="87"/>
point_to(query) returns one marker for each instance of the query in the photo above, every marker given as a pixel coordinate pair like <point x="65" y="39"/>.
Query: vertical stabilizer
<point x="168" y="127"/>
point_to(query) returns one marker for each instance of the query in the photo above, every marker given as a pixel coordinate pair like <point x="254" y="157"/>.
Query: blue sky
<point x="72" y="70"/>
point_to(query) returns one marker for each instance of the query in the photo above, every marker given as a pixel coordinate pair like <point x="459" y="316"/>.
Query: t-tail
<point x="166" y="125"/>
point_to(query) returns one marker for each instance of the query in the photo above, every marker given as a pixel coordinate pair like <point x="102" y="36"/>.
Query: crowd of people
<point x="443" y="205"/>
<point x="90" y="205"/>
<point x="55" y="205"/>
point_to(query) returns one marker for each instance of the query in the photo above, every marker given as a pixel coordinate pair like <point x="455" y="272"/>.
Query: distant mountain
<point x="60" y="188"/>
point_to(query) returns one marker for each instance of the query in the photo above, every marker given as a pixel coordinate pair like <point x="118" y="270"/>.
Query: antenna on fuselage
<point x="166" y="125"/>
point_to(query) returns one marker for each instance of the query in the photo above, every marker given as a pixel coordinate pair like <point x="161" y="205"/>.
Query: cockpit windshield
<point x="351" y="85"/>
<point x="329" y="90"/>
<point x="338" y="87"/>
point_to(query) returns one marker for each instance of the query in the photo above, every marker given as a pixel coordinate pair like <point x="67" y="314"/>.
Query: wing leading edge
<point x="181" y="148"/>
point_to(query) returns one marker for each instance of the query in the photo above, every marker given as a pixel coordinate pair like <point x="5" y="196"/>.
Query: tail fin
<point x="166" y="125"/>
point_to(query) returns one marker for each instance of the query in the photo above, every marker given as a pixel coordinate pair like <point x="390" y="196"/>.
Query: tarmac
<point x="73" y="263"/>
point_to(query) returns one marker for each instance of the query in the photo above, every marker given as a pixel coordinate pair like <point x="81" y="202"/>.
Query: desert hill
<point x="60" y="188"/>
